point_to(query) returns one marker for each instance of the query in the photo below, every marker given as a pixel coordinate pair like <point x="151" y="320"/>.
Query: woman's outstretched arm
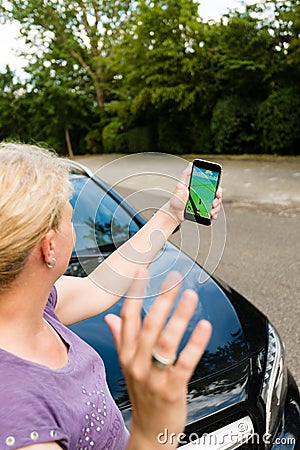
<point x="81" y="298"/>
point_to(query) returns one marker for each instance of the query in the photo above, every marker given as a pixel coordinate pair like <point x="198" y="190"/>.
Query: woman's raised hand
<point x="155" y="374"/>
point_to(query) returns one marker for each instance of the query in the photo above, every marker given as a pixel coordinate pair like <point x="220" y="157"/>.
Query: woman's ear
<point x="48" y="246"/>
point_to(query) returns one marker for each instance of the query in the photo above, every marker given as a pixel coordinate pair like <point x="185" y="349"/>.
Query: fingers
<point x="180" y="195"/>
<point x="216" y="204"/>
<point x="219" y="193"/>
<point x="192" y="352"/>
<point x="186" y="174"/>
<point x="125" y="330"/>
<point x="114" y="323"/>
<point x="169" y="339"/>
<point x="131" y="314"/>
<point x="214" y="212"/>
<point x="181" y="189"/>
<point x="157" y="315"/>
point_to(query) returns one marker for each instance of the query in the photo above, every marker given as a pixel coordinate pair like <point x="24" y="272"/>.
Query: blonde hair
<point x="35" y="187"/>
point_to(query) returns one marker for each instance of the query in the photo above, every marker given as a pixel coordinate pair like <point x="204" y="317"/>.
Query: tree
<point x="162" y="74"/>
<point x="279" y="112"/>
<point x="70" y="42"/>
<point x="8" y="91"/>
<point x="258" y="60"/>
<point x="42" y="112"/>
<point x="143" y="75"/>
<point x="73" y="37"/>
<point x="67" y="114"/>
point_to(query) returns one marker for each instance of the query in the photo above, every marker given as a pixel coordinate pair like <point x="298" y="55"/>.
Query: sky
<point x="10" y="45"/>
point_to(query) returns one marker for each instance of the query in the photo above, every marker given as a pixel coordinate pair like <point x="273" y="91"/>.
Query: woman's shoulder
<point x="25" y="400"/>
<point x="49" y="311"/>
<point x="52" y="299"/>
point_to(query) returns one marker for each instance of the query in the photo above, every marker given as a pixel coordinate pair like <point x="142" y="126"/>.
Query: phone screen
<point x="203" y="185"/>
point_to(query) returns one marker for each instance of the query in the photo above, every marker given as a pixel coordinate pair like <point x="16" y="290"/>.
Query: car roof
<point x="78" y="168"/>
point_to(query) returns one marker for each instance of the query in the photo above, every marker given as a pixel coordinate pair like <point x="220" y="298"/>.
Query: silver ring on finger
<point x="160" y="362"/>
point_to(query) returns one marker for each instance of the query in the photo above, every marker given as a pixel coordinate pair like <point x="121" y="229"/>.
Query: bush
<point x="278" y="119"/>
<point x="233" y="126"/>
<point x="112" y="140"/>
<point x="140" y="139"/>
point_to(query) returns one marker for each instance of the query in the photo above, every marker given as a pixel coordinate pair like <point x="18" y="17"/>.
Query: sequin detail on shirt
<point x="95" y="421"/>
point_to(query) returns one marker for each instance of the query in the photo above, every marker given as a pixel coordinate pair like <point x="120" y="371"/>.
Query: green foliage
<point x="140" y="139"/>
<point x="243" y="56"/>
<point x="233" y="126"/>
<point x="42" y="113"/>
<point x="112" y="140"/>
<point x="202" y="140"/>
<point x="142" y="75"/>
<point x="7" y="98"/>
<point x="93" y="142"/>
<point x="169" y="139"/>
<point x="279" y="121"/>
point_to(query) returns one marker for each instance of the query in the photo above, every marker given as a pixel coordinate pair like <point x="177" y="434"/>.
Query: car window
<point x="100" y="222"/>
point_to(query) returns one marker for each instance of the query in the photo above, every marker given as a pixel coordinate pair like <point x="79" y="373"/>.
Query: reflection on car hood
<point x="226" y="349"/>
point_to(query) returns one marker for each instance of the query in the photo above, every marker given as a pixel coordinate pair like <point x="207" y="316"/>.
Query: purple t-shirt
<point x="71" y="406"/>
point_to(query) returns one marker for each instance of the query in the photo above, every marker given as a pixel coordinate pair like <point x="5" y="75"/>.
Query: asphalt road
<point x="260" y="222"/>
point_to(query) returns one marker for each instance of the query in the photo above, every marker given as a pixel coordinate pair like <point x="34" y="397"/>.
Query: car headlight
<point x="275" y="380"/>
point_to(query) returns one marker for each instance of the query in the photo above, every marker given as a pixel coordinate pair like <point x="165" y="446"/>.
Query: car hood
<point x="226" y="350"/>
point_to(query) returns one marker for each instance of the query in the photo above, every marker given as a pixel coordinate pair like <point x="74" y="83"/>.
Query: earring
<point x="51" y="266"/>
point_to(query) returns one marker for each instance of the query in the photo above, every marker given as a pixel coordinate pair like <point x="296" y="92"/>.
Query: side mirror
<point x="177" y="228"/>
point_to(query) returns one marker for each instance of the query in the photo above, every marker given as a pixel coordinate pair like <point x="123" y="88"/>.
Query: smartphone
<point x="204" y="182"/>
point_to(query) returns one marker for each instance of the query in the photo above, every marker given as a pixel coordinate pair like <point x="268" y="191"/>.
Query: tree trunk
<point x="68" y="142"/>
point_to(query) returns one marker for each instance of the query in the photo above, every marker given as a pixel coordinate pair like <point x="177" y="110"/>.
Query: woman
<point x="53" y="389"/>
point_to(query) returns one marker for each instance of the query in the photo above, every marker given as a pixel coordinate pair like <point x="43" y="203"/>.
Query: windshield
<point x="100" y="222"/>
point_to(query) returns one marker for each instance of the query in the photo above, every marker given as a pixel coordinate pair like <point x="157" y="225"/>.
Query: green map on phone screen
<point x="202" y="192"/>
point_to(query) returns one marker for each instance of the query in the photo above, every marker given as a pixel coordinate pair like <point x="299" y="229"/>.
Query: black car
<point x="241" y="394"/>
